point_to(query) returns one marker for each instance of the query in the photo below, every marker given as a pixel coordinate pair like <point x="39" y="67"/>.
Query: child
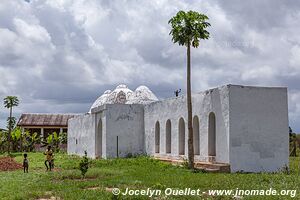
<point x="49" y="158"/>
<point x="25" y="163"/>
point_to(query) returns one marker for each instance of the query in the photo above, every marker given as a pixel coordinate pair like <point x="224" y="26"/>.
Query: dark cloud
<point x="260" y="15"/>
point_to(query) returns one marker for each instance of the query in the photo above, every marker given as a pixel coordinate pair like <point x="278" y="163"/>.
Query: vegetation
<point x="3" y="141"/>
<point x="84" y="164"/>
<point x="293" y="142"/>
<point x="142" y="172"/>
<point x="10" y="102"/>
<point x="13" y="139"/>
<point x="55" y="140"/>
<point x="188" y="28"/>
<point x="27" y="141"/>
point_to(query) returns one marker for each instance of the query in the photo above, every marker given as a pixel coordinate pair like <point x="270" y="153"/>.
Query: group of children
<point x="49" y="161"/>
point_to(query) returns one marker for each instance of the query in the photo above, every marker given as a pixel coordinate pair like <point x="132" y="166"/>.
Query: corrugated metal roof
<point x="61" y="120"/>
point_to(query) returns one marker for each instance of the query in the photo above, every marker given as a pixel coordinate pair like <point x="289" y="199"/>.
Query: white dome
<point x="142" y="95"/>
<point x="123" y="95"/>
<point x="107" y="92"/>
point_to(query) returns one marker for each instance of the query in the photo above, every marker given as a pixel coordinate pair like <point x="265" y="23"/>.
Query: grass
<point x="134" y="173"/>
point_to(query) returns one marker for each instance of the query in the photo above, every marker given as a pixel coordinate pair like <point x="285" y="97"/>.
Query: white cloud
<point x="33" y="32"/>
<point x="58" y="55"/>
<point x="295" y="58"/>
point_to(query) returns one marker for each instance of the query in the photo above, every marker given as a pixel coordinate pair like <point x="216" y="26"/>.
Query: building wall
<point x="251" y="128"/>
<point x="97" y="132"/>
<point x="258" y="129"/>
<point x="126" y="122"/>
<point x="81" y="135"/>
<point x="215" y="100"/>
<point x="100" y="131"/>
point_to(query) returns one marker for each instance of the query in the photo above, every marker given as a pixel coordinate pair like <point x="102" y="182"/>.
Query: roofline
<point x="22" y="124"/>
<point x="253" y="86"/>
<point x="41" y="126"/>
<point x="221" y="86"/>
<point x="52" y="113"/>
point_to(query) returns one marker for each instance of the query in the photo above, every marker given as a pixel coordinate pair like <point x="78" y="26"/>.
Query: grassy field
<point x="134" y="173"/>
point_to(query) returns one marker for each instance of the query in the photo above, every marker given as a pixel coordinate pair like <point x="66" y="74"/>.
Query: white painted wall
<point x="215" y="100"/>
<point x="81" y="128"/>
<point x="126" y="122"/>
<point x="122" y="120"/>
<point x="258" y="129"/>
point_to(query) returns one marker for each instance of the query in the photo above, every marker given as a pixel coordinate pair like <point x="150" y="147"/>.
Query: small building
<point x="244" y="127"/>
<point x="44" y="124"/>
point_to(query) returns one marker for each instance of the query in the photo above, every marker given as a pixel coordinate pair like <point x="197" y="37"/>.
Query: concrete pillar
<point x="42" y="132"/>
<point x="60" y="130"/>
<point x="21" y="141"/>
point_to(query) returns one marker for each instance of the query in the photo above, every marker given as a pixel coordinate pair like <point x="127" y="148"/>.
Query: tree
<point x="188" y="28"/>
<point x="10" y="102"/>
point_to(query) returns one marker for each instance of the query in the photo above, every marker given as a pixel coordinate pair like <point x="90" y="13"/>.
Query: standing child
<point x="25" y="163"/>
<point x="49" y="158"/>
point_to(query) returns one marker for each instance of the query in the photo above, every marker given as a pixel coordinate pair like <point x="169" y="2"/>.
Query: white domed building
<point x="123" y="95"/>
<point x="239" y="128"/>
<point x="117" y="116"/>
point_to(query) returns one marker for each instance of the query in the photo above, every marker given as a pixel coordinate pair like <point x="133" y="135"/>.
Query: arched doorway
<point x="168" y="136"/>
<point x="157" y="137"/>
<point x="99" y="140"/>
<point x="212" y="134"/>
<point x="196" y="135"/>
<point x="181" y="138"/>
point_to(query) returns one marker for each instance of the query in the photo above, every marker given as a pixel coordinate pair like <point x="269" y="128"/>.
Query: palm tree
<point x="10" y="102"/>
<point x="187" y="29"/>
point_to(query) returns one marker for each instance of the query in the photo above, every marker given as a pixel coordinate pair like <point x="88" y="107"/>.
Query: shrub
<point x="3" y="141"/>
<point x="185" y="163"/>
<point x="84" y="164"/>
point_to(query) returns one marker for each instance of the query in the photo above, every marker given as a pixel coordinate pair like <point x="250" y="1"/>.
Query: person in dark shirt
<point x="25" y="163"/>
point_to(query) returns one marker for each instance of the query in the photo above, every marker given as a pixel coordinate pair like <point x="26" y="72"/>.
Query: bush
<point x="84" y="164"/>
<point x="3" y="141"/>
<point x="185" y="163"/>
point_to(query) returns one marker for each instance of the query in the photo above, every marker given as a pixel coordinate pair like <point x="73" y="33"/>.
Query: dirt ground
<point x="9" y="164"/>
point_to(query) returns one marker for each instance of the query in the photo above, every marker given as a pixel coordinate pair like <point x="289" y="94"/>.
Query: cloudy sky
<point x="58" y="56"/>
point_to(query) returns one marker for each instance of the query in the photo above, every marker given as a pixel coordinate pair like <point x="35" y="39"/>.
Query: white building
<point x="241" y="126"/>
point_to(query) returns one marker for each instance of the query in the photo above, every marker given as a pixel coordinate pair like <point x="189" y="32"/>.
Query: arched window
<point x="99" y="140"/>
<point x="168" y="136"/>
<point x="212" y="134"/>
<point x="157" y="137"/>
<point x="196" y="135"/>
<point x="181" y="138"/>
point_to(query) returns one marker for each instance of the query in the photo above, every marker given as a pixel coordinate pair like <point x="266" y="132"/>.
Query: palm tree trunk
<point x="190" y="112"/>
<point x="9" y="131"/>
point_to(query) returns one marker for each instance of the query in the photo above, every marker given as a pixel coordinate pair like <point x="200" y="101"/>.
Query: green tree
<point x="188" y="28"/>
<point x="10" y="102"/>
